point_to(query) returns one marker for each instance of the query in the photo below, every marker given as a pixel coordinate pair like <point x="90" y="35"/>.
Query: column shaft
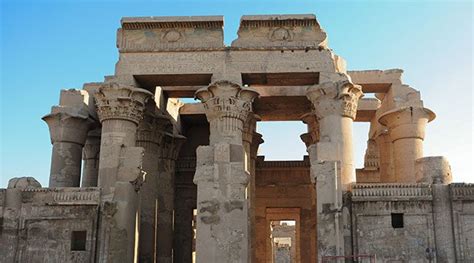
<point x="385" y="146"/>
<point x="149" y="202"/>
<point x="183" y="231"/>
<point x="120" y="109"/>
<point x="406" y="150"/>
<point x="66" y="162"/>
<point x="90" y="153"/>
<point x="68" y="128"/>
<point x="407" y="131"/>
<point x="338" y="130"/>
<point x="335" y="105"/>
<point x="116" y="133"/>
<point x="221" y="179"/>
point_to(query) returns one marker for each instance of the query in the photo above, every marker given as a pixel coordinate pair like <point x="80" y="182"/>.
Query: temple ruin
<point x="138" y="175"/>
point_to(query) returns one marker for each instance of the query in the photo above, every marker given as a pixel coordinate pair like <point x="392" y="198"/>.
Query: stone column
<point x="68" y="128"/>
<point x="149" y="136"/>
<point x="120" y="108"/>
<point x="183" y="231"/>
<point x="385" y="148"/>
<point x="90" y="155"/>
<point x="407" y="131"/>
<point x="437" y="171"/>
<point x="335" y="105"/>
<point x="169" y="150"/>
<point x="251" y="141"/>
<point x="221" y="179"/>
<point x="312" y="136"/>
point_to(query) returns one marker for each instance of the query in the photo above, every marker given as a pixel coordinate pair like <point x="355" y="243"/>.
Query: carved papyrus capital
<point x="250" y="125"/>
<point x="331" y="98"/>
<point x="256" y="141"/>
<point x="152" y="128"/>
<point x="407" y="122"/>
<point x="312" y="136"/>
<point x="227" y="106"/>
<point x="92" y="147"/>
<point x="116" y="101"/>
<point x="68" y="126"/>
<point x="170" y="146"/>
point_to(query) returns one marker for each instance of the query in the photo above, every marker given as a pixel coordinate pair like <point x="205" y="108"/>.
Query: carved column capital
<point x="227" y="106"/>
<point x="117" y="101"/>
<point x="68" y="126"/>
<point x="92" y="147"/>
<point x="152" y="128"/>
<point x="312" y="136"/>
<point x="335" y="98"/>
<point x="249" y="127"/>
<point x="407" y="122"/>
<point x="256" y="141"/>
<point x="170" y="146"/>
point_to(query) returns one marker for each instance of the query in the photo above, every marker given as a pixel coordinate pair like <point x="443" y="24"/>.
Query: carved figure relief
<point x="281" y="34"/>
<point x="172" y="36"/>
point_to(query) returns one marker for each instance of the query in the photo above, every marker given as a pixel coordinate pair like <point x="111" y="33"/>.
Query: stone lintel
<point x="376" y="81"/>
<point x="266" y="31"/>
<point x="155" y="34"/>
<point x="277" y="109"/>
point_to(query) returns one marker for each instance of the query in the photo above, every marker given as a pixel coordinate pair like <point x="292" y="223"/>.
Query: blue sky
<point x="51" y="45"/>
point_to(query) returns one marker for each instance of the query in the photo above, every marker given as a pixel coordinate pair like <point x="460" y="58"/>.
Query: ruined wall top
<point x="273" y="31"/>
<point x="148" y="34"/>
<point x="193" y="33"/>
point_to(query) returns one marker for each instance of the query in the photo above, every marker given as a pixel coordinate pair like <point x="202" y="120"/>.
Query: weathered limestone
<point x="437" y="171"/>
<point x="312" y="136"/>
<point x="149" y="136"/>
<point x="272" y="31"/>
<point x="120" y="108"/>
<point x="90" y="155"/>
<point x="326" y="175"/>
<point x="371" y="171"/>
<point x="157" y="192"/>
<point x="385" y="148"/>
<point x="170" y="148"/>
<point x="407" y="131"/>
<point x="278" y="198"/>
<point x="147" y="207"/>
<point x="68" y="126"/>
<point x="170" y="33"/>
<point x="251" y="141"/>
<point x="222" y="220"/>
<point x="335" y="106"/>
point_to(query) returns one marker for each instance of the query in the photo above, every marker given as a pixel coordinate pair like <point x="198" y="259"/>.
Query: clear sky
<point x="51" y="45"/>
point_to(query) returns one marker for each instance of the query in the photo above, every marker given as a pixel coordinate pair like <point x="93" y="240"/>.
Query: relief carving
<point x="281" y="34"/>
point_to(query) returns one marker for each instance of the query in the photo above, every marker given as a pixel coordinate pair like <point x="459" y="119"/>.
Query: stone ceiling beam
<point x="286" y="109"/>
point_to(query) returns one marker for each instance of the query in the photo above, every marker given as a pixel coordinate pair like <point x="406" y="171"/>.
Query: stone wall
<point x="57" y="224"/>
<point x="285" y="186"/>
<point x="462" y="196"/>
<point x="398" y="223"/>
